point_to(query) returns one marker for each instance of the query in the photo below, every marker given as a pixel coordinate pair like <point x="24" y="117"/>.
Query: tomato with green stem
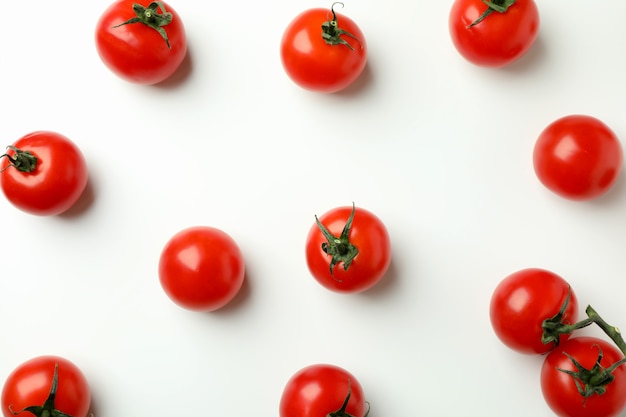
<point x="323" y="51"/>
<point x="43" y="173"/>
<point x="143" y="44"/>
<point x="46" y="386"/>
<point x="585" y="377"/>
<point x="493" y="33"/>
<point x="578" y="157"/>
<point x="323" y="390"/>
<point x="201" y="268"/>
<point x="530" y="310"/>
<point x="348" y="249"/>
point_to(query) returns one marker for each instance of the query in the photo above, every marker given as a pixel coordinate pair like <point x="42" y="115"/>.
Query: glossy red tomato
<point x="348" y="249"/>
<point x="522" y="301"/>
<point x="33" y="383"/>
<point x="560" y="390"/>
<point x="43" y="173"/>
<point x="577" y="157"/>
<point x="141" y="43"/>
<point x="321" y="390"/>
<point x="201" y="268"/>
<point x="495" y="39"/>
<point x="323" y="51"/>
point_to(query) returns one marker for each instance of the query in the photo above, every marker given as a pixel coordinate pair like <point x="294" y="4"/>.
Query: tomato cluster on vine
<point x="535" y="311"/>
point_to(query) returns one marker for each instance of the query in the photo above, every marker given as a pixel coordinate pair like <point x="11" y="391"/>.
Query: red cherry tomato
<point x="37" y="380"/>
<point x="43" y="173"/>
<point x="577" y="157"/>
<point x="201" y="268"/>
<point x="140" y="43"/>
<point x="348" y="250"/>
<point x="560" y="390"/>
<point x="323" y="390"/>
<point x="522" y="301"/>
<point x="323" y="51"/>
<point x="496" y="35"/>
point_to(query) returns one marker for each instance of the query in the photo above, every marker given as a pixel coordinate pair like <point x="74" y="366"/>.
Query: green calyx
<point x="342" y="411"/>
<point x="47" y="409"/>
<point x="592" y="381"/>
<point x="151" y="17"/>
<point x="554" y="327"/>
<point x="500" y="6"/>
<point x="339" y="248"/>
<point x="23" y="161"/>
<point x="331" y="33"/>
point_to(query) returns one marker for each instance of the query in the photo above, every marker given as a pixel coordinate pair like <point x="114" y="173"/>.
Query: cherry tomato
<point x="323" y="51"/>
<point x="560" y="388"/>
<point x="493" y="33"/>
<point x="577" y="157"/>
<point x="348" y="249"/>
<point x="522" y="301"/>
<point x="323" y="390"/>
<point x="45" y="386"/>
<point x="201" y="268"/>
<point x="43" y="173"/>
<point x="143" y="44"/>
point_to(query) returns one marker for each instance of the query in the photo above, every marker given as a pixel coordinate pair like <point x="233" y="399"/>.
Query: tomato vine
<point x="595" y="379"/>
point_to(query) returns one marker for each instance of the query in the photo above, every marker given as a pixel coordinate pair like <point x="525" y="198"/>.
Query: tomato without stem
<point x="493" y="33"/>
<point x="323" y="390"/>
<point x="522" y="301"/>
<point x="143" y="44"/>
<point x="323" y="51"/>
<point x="577" y="157"/>
<point x="201" y="268"/>
<point x="43" y="173"/>
<point x="31" y="387"/>
<point x="348" y="249"/>
<point x="571" y="395"/>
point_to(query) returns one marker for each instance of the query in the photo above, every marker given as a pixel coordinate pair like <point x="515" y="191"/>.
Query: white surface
<point x="436" y="147"/>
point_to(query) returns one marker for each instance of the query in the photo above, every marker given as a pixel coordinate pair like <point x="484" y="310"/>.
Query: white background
<point x="438" y="148"/>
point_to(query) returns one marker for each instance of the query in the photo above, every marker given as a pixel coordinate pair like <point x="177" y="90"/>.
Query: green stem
<point x="611" y="331"/>
<point x="331" y="33"/>
<point x="500" y="6"/>
<point x="151" y="17"/>
<point x="23" y="161"/>
<point x="339" y="247"/>
<point x="342" y="411"/>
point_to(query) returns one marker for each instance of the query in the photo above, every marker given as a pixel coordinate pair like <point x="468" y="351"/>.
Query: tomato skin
<point x="201" y="268"/>
<point x="318" y="390"/>
<point x="59" y="178"/>
<point x="522" y="301"/>
<point x="500" y="39"/>
<point x="368" y="233"/>
<point x="315" y="65"/>
<point x="578" y="157"/>
<point x="136" y="52"/>
<point x="29" y="385"/>
<point x="559" y="389"/>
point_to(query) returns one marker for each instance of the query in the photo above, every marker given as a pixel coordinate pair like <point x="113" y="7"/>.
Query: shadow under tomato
<point x="358" y="86"/>
<point x="181" y="75"/>
<point x="385" y="285"/>
<point x="614" y="194"/>
<point x="531" y="59"/>
<point x="84" y="203"/>
<point x="236" y="303"/>
<point x="93" y="408"/>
